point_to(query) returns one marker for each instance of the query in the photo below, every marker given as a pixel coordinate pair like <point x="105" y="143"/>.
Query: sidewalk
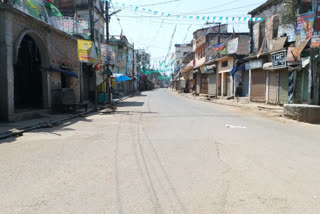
<point x="16" y="129"/>
<point x="243" y="103"/>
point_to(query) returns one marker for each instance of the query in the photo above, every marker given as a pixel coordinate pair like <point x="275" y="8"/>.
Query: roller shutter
<point x="204" y="84"/>
<point x="273" y="87"/>
<point x="212" y="84"/>
<point x="258" y="85"/>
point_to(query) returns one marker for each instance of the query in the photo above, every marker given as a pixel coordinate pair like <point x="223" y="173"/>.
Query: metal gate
<point x="258" y="86"/>
<point x="212" y="84"/>
<point x="273" y="87"/>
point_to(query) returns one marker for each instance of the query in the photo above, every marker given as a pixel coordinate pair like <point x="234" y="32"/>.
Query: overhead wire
<point x="117" y="18"/>
<point x="193" y="13"/>
<point x="160" y="3"/>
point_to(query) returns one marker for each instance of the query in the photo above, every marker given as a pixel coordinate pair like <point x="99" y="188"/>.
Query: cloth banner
<point x="232" y="46"/>
<point x="107" y="55"/>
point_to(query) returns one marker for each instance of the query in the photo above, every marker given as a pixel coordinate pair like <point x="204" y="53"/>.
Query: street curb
<point x="258" y="108"/>
<point x="42" y="125"/>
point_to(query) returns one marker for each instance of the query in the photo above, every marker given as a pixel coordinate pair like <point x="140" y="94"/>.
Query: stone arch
<point x="276" y="21"/>
<point x="43" y="49"/>
<point x="42" y="46"/>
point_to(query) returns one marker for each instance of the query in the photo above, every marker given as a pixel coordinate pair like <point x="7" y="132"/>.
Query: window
<point x="261" y="33"/>
<point x="276" y="22"/>
<point x="224" y="64"/>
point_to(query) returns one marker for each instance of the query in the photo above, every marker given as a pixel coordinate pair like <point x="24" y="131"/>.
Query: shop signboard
<point x="85" y="51"/>
<point x="279" y="59"/>
<point x="253" y="65"/>
<point x="315" y="41"/>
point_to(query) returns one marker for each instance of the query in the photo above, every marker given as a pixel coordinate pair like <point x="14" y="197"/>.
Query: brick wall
<point x="268" y="14"/>
<point x="61" y="47"/>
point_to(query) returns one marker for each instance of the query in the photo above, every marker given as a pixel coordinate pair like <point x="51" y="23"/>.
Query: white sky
<point x="153" y="32"/>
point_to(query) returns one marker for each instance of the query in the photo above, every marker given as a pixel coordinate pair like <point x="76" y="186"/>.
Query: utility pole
<point x="219" y="31"/>
<point x="313" y="85"/>
<point x="90" y="6"/>
<point x="133" y="65"/>
<point x="107" y="17"/>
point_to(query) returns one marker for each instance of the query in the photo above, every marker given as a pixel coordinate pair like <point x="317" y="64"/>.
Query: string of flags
<point x="189" y="17"/>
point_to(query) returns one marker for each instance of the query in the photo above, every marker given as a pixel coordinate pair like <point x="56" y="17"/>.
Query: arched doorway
<point x="27" y="76"/>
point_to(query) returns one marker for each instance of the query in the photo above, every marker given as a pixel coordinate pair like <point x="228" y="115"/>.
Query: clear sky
<point x="154" y="32"/>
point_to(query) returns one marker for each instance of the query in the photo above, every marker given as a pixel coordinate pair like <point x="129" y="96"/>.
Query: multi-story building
<point x="282" y="67"/>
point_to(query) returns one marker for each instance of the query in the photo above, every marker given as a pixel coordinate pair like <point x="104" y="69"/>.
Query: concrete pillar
<point x="6" y="68"/>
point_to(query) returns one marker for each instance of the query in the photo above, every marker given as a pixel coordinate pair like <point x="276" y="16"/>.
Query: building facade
<point x="36" y="60"/>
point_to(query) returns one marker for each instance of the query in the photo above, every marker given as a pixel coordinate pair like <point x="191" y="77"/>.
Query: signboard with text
<point x="315" y="41"/>
<point x="85" y="51"/>
<point x="279" y="59"/>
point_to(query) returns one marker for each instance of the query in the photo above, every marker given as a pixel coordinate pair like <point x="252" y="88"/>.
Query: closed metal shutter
<point x="204" y="84"/>
<point x="284" y="82"/>
<point x="198" y="83"/>
<point x="258" y="85"/>
<point x="273" y="87"/>
<point x="245" y="83"/>
<point x="212" y="86"/>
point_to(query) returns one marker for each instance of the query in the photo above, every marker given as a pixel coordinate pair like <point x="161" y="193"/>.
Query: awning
<point x="70" y="73"/>
<point x="121" y="78"/>
<point x="267" y="66"/>
<point x="237" y="68"/>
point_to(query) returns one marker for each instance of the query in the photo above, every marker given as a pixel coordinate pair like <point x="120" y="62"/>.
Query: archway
<point x="27" y="76"/>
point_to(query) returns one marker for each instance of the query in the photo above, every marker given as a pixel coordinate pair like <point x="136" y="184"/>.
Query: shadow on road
<point x="50" y="128"/>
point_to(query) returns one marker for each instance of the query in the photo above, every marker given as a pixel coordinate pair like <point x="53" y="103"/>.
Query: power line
<point x="147" y="5"/>
<point x="193" y="13"/>
<point x="117" y="18"/>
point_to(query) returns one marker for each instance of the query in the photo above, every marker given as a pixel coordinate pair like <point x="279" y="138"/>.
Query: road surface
<point x="162" y="153"/>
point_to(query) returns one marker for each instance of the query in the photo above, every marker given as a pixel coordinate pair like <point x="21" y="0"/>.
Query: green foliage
<point x="291" y="11"/>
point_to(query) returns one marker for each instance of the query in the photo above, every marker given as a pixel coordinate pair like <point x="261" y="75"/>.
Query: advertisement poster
<point x="233" y="46"/>
<point x="305" y="25"/>
<point x="84" y="51"/>
<point x="107" y="55"/>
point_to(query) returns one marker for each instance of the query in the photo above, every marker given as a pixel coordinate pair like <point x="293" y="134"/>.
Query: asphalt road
<point x="162" y="153"/>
